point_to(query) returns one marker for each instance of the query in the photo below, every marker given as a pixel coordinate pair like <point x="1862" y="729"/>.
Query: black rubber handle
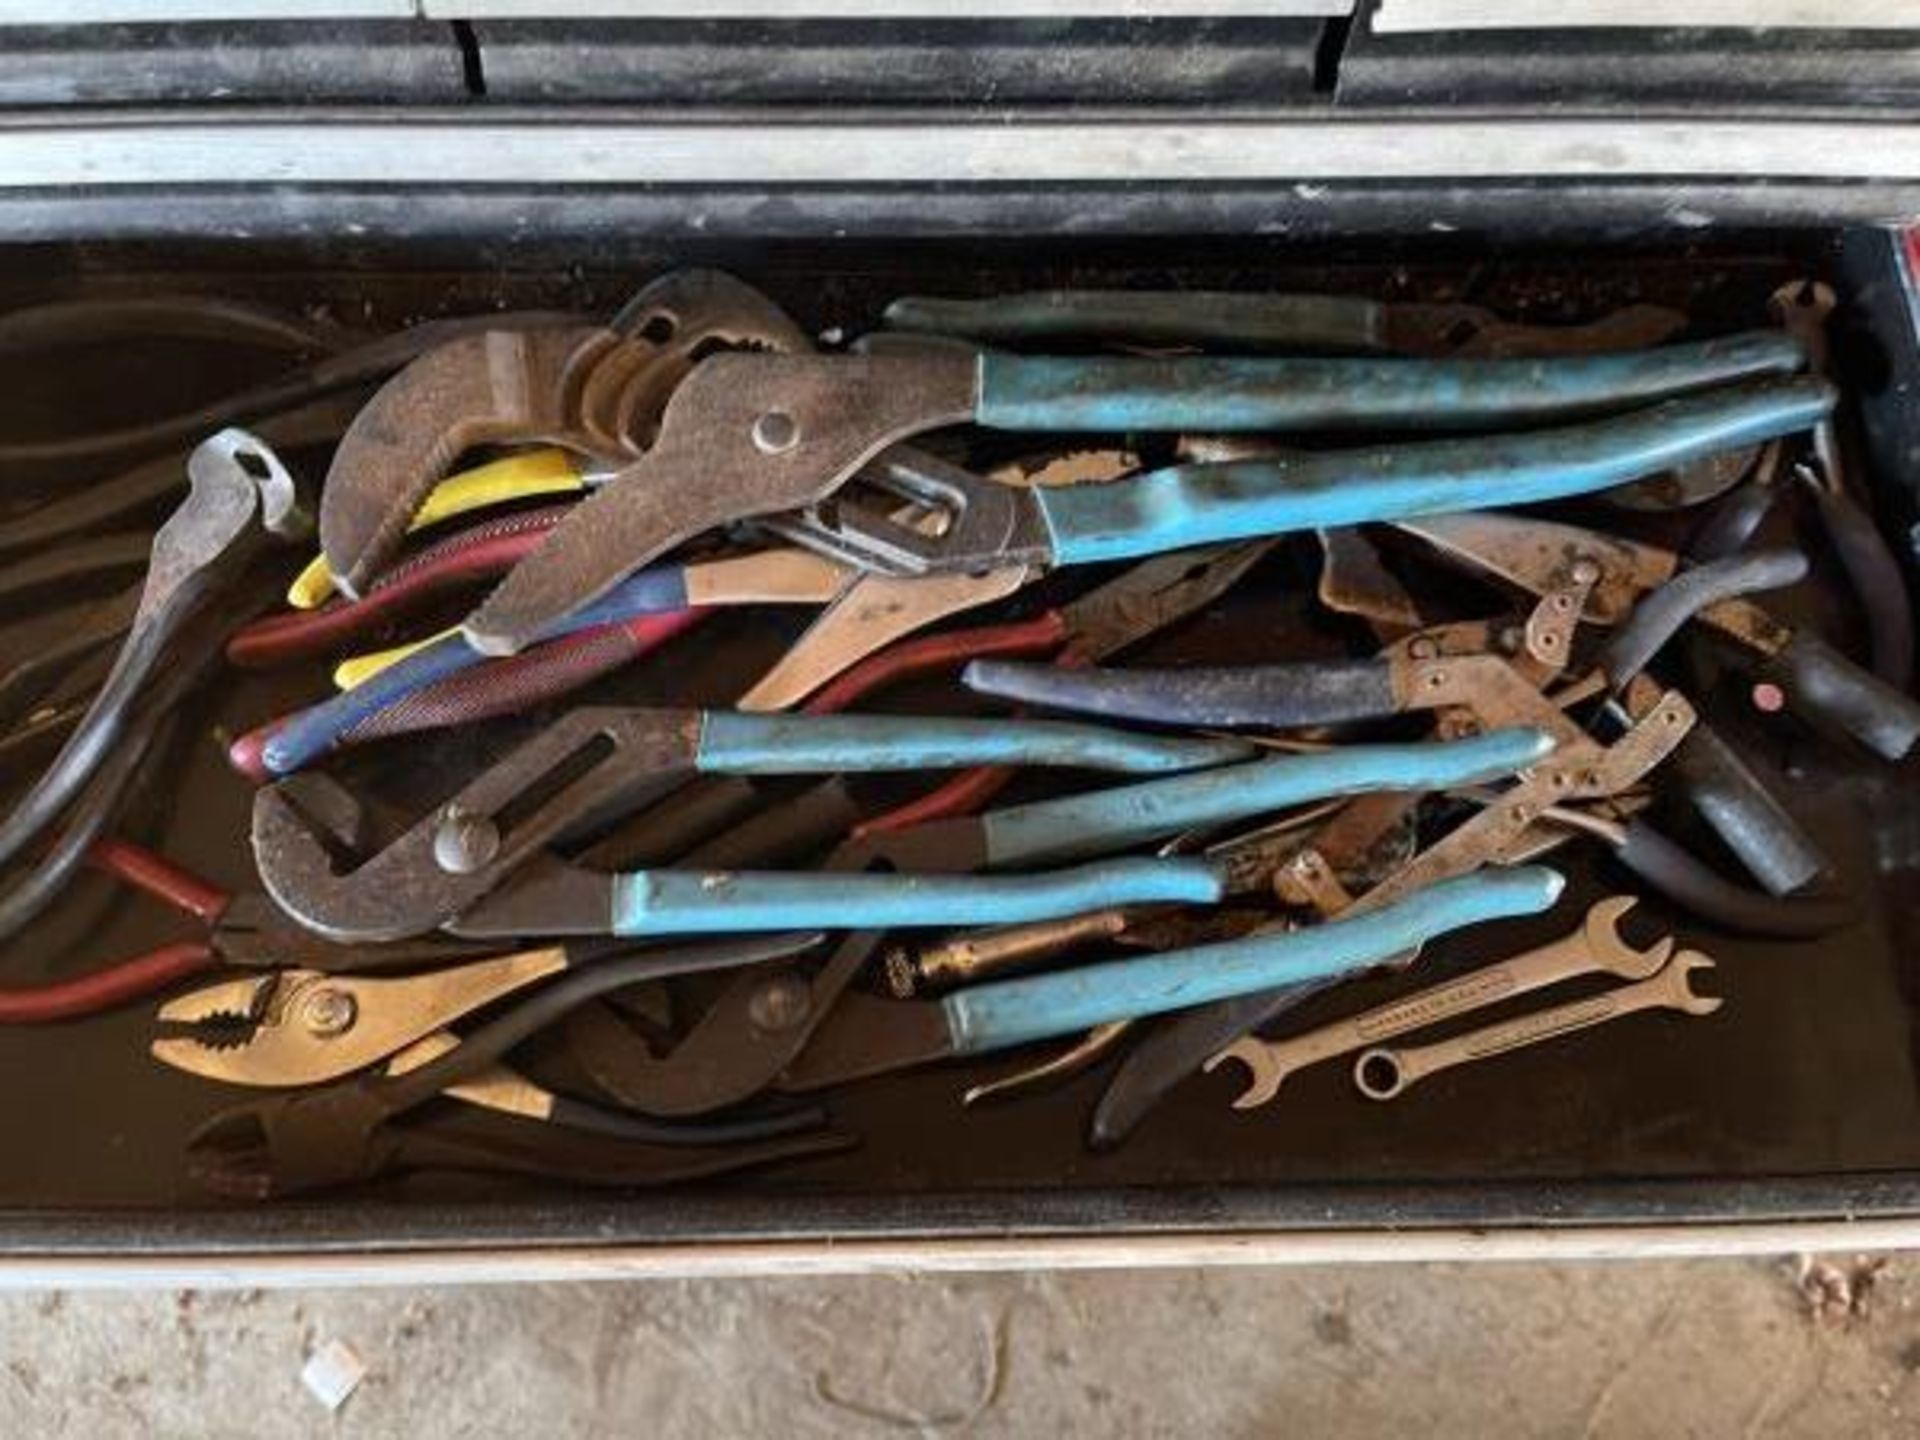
<point x="1687" y="881"/>
<point x="1658" y="616"/>
<point x="1877" y="580"/>
<point x="786" y="832"/>
<point x="1823" y="685"/>
<point x="1741" y="801"/>
<point x="1270" y="696"/>
<point x="1734" y="522"/>
<point x="1175" y="1049"/>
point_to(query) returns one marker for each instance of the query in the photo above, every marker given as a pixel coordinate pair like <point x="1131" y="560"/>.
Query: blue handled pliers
<point x="749" y="435"/>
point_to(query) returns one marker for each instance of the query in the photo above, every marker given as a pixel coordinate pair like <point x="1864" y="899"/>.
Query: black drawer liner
<point x="1799" y="1097"/>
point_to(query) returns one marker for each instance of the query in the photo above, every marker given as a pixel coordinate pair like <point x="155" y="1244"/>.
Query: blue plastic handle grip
<point x="306" y="735"/>
<point x="697" y="902"/>
<point x="1109" y="820"/>
<point x="1012" y="1012"/>
<point x="736" y="742"/>
<point x="1118" y="393"/>
<point x="1237" y="500"/>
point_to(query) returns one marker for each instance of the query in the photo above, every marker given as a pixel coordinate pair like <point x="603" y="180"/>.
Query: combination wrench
<point x="1596" y="948"/>
<point x="1383" y="1073"/>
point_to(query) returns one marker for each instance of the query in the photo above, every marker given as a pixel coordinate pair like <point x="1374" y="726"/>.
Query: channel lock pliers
<point x="763" y="1019"/>
<point x="770" y="432"/>
<point x="595" y="389"/>
<point x="456" y="855"/>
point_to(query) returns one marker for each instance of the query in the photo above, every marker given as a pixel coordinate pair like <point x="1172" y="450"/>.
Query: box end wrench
<point x="1383" y="1073"/>
<point x="1596" y="948"/>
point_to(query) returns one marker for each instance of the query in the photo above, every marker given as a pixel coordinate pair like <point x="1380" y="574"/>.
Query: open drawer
<point x="1790" y="1118"/>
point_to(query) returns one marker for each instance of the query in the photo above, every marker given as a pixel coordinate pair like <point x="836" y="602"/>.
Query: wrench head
<point x="1264" y="1073"/>
<point x="1601" y="931"/>
<point x="1681" y="973"/>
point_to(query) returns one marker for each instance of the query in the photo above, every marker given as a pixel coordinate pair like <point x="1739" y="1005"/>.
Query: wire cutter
<point x="772" y="433"/>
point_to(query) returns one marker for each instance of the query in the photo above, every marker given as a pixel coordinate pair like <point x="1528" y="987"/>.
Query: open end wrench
<point x="1596" y="948"/>
<point x="1383" y="1073"/>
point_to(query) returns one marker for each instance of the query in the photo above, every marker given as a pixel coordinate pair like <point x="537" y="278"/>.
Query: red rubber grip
<point x="299" y="634"/>
<point x="936" y="652"/>
<point x="90" y="994"/>
<point x="159" y="877"/>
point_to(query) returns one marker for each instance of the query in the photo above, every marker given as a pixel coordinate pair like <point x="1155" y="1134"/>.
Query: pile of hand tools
<point x="533" y="898"/>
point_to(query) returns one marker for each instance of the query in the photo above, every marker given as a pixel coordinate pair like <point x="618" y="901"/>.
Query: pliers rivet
<point x="779" y="1004"/>
<point x="774" y="432"/>
<point x="464" y="842"/>
<point x="328" y="1011"/>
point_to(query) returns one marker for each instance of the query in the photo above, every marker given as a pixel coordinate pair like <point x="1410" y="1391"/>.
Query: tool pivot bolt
<point x="779" y="1003"/>
<point x="328" y="1012"/>
<point x="775" y="431"/>
<point x="464" y="842"/>
<point x="1586" y="572"/>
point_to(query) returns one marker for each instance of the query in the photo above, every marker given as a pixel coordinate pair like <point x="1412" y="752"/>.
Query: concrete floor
<point x="1725" y="1348"/>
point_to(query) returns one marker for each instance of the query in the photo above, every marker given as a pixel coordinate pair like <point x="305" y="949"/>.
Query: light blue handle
<point x="1237" y="500"/>
<point x="737" y="742"/>
<point x="308" y="734"/>
<point x="1012" y="1012"/>
<point x="1119" y="393"/>
<point x="1108" y="820"/>
<point x="710" y="902"/>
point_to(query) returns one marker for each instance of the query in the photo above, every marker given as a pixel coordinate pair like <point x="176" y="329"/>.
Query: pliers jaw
<point x="243" y="1029"/>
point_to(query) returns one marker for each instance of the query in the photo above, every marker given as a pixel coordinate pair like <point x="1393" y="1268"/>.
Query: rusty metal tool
<point x="240" y="496"/>
<point x="763" y="434"/>
<point x="593" y="388"/>
<point x="1596" y="948"/>
<point x="1214" y="500"/>
<point x="1383" y="1073"/>
<point x="305" y="1027"/>
<point x="1144" y="601"/>
<point x="1477" y="688"/>
<point x="356" y="1128"/>
<point x="1536" y="555"/>
<point x="1237" y="321"/>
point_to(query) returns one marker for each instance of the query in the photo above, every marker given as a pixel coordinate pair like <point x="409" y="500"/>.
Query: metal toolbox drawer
<point x="1793" y="1119"/>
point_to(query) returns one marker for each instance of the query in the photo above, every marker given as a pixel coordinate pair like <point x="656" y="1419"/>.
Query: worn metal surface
<point x="759" y="434"/>
<point x="1596" y="947"/>
<point x="1384" y="1074"/>
<point x="597" y="389"/>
